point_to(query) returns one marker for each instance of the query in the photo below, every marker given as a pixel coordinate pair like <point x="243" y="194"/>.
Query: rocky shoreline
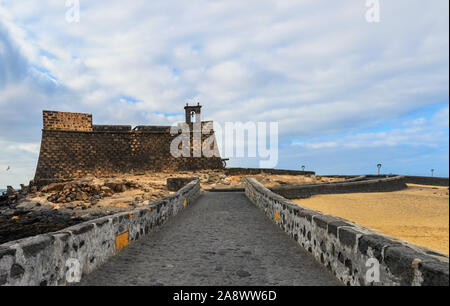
<point x="21" y="223"/>
<point x="29" y="211"/>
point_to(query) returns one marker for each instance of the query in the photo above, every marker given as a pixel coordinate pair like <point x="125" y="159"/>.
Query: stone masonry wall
<point x="70" y="152"/>
<point x="421" y="180"/>
<point x="46" y="259"/>
<point x="349" y="250"/>
<point x="352" y="185"/>
<point x="427" y="180"/>
<point x="64" y="121"/>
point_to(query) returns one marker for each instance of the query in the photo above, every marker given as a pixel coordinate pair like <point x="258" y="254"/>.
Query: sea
<point x="2" y="190"/>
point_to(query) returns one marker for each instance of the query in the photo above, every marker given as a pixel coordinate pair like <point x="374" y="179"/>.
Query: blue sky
<point x="347" y="93"/>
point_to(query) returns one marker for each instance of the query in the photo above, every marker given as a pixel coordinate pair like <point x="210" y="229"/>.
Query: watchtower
<point x="193" y="111"/>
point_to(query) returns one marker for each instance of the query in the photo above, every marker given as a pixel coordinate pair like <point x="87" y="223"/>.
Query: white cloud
<point x="315" y="66"/>
<point x="418" y="132"/>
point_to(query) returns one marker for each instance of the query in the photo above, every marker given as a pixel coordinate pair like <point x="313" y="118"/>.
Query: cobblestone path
<point x="222" y="239"/>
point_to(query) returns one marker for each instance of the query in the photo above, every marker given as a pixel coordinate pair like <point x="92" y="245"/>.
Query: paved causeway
<point x="222" y="239"/>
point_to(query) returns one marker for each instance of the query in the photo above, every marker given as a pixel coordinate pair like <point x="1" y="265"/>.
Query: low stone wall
<point x="252" y="171"/>
<point x="355" y="254"/>
<point x="421" y="180"/>
<point x="353" y="185"/>
<point x="49" y="259"/>
<point x="427" y="180"/>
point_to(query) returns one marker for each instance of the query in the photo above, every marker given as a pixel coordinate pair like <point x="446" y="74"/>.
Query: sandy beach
<point x="419" y="214"/>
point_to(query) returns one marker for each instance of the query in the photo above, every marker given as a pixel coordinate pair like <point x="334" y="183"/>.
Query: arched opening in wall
<point x="193" y="117"/>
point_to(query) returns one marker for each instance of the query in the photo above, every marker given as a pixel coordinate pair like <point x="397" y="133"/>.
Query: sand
<point x="418" y="214"/>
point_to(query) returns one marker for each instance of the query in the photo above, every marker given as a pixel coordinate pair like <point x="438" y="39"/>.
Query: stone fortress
<point x="73" y="147"/>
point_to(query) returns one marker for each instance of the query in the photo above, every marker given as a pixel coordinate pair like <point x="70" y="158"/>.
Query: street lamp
<point x="379" y="169"/>
<point x="432" y="172"/>
<point x="303" y="167"/>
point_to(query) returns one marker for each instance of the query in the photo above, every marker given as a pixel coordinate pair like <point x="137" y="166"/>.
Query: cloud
<point x="316" y="67"/>
<point x="429" y="132"/>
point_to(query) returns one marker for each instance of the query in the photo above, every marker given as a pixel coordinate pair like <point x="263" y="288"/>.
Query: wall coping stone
<point x="357" y="184"/>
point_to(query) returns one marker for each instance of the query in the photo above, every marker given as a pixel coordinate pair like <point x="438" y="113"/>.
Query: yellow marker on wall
<point x="122" y="240"/>
<point x="185" y="202"/>
<point x="277" y="215"/>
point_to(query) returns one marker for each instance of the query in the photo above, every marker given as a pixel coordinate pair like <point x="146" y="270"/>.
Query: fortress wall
<point x="353" y="185"/>
<point x="348" y="250"/>
<point x="49" y="259"/>
<point x="72" y="147"/>
<point x="68" y="154"/>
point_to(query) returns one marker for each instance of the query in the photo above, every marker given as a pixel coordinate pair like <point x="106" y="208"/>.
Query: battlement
<point x="152" y="128"/>
<point x="66" y="121"/>
<point x="111" y="128"/>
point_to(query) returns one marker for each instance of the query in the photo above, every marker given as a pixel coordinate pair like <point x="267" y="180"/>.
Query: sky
<point x="347" y="94"/>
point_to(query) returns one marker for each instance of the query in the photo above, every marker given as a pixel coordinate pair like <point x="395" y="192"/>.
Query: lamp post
<point x="303" y="167"/>
<point x="379" y="169"/>
<point x="432" y="172"/>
